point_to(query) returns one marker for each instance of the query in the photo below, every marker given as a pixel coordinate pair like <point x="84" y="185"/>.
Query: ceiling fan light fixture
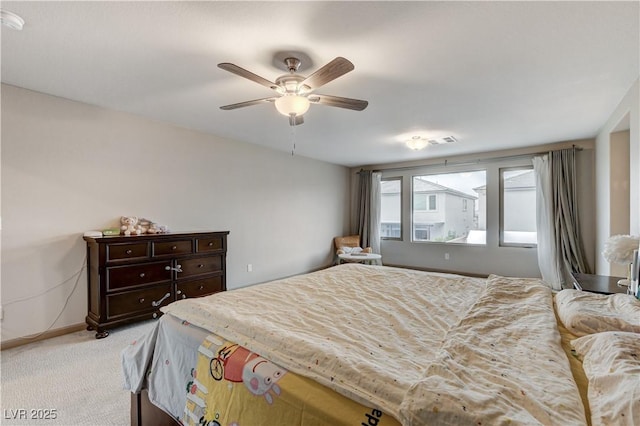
<point x="417" y="143"/>
<point x="289" y="105"/>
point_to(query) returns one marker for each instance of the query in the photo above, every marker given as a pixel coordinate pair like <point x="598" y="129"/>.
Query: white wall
<point x="625" y="117"/>
<point x="69" y="167"/>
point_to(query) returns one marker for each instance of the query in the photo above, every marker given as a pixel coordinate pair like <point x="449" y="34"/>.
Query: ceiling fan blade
<point x="247" y="103"/>
<point x="337" y="101"/>
<point x="334" y="69"/>
<point x="247" y="74"/>
<point x="296" y="120"/>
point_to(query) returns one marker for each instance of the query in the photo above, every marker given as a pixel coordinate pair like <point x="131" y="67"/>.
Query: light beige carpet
<point x="76" y="375"/>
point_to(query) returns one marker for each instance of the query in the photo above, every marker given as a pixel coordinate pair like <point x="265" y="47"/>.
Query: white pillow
<point x="585" y="313"/>
<point x="611" y="361"/>
<point x="351" y="250"/>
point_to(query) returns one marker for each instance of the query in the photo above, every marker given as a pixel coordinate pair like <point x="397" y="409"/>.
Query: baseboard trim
<point x="42" y="336"/>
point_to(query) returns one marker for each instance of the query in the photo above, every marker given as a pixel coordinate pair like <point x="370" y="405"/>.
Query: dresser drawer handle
<point x="141" y="274"/>
<point x="128" y="251"/>
<point x="159" y="302"/>
<point x="201" y="266"/>
<point x="174" y="247"/>
<point x="155" y="315"/>
<point x="177" y="268"/>
<point x="179" y="292"/>
<point x="141" y="300"/>
<point x="210" y="244"/>
<point x="184" y="296"/>
<point x="201" y="287"/>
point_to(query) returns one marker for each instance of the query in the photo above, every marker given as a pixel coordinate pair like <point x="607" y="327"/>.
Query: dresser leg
<point x="101" y="334"/>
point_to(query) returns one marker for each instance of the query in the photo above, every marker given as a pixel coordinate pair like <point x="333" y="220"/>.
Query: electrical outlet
<point x="446" y="256"/>
<point x="249" y="267"/>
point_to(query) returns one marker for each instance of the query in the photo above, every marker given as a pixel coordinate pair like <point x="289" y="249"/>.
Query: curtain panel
<point x="560" y="248"/>
<point x="368" y="209"/>
<point x="548" y="260"/>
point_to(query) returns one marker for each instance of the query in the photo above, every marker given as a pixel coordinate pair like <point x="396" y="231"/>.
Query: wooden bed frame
<point x="144" y="413"/>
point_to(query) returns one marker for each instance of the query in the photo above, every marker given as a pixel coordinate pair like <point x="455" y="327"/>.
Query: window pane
<point x="450" y="207"/>
<point x="518" y="207"/>
<point x="391" y="208"/>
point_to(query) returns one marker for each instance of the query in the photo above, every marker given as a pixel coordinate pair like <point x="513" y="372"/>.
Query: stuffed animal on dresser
<point x="156" y="228"/>
<point x="143" y="225"/>
<point x="129" y="225"/>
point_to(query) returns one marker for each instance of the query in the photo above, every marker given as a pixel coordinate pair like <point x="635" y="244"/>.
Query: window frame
<point x="501" y="231"/>
<point x="401" y="180"/>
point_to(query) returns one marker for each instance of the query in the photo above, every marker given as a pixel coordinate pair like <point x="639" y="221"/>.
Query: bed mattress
<point x="358" y="344"/>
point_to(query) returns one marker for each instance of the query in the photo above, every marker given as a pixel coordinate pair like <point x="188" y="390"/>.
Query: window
<point x="518" y="207"/>
<point x="440" y="207"/>
<point x="424" y="202"/>
<point x="391" y="208"/>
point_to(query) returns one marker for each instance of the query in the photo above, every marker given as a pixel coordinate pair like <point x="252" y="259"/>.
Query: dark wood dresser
<point x="131" y="277"/>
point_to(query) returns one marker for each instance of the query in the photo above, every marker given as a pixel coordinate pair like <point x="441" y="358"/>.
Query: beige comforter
<point x="378" y="335"/>
<point x="501" y="364"/>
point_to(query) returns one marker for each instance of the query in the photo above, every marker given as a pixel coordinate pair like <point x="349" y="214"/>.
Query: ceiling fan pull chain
<point x="293" y="140"/>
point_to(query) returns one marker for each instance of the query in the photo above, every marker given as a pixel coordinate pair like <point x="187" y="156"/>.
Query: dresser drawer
<point x="135" y="251"/>
<point x="204" y="245"/>
<point x="131" y="302"/>
<point x="119" y="277"/>
<point x="176" y="247"/>
<point x="200" y="265"/>
<point x="199" y="287"/>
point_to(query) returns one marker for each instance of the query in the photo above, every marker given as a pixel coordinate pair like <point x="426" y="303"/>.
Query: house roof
<point x="424" y="186"/>
<point x="523" y="180"/>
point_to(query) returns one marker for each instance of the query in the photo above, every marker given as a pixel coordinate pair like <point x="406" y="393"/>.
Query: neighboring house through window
<point x="391" y="208"/>
<point x="440" y="212"/>
<point x="424" y="202"/>
<point x="518" y="207"/>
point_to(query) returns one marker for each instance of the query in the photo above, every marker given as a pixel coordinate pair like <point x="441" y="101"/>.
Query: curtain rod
<point x="471" y="163"/>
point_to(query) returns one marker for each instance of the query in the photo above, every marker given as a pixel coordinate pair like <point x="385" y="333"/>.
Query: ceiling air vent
<point x="442" y="141"/>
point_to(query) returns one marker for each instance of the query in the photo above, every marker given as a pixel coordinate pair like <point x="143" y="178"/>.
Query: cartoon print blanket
<point x="199" y="379"/>
<point x="232" y="386"/>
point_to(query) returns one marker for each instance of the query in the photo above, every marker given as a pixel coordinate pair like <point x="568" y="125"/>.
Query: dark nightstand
<point x="597" y="283"/>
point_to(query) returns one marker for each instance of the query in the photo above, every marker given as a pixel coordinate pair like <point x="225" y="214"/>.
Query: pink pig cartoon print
<point x="260" y="376"/>
<point x="237" y="364"/>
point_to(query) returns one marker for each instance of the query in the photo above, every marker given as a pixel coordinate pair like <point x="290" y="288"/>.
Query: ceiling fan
<point x="295" y="91"/>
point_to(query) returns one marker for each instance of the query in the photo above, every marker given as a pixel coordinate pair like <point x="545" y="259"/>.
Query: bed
<point x="376" y="345"/>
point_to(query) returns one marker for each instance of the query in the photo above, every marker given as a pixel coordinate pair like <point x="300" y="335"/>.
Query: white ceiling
<point x="495" y="75"/>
